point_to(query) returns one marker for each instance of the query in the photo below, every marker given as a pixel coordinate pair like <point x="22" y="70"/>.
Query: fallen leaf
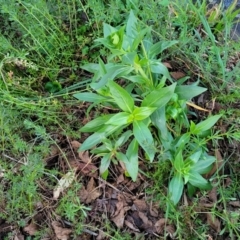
<point x="19" y="236"/>
<point x="119" y="219"/>
<point x="213" y="222"/>
<point x="91" y="193"/>
<point x="212" y="195"/>
<point x="140" y="205"/>
<point x="87" y="169"/>
<point x="167" y="64"/>
<point x="84" y="156"/>
<point x="131" y="226"/>
<point x="31" y="229"/>
<point x="63" y="184"/>
<point x="147" y="224"/>
<point x="61" y="233"/>
<point x="235" y="203"/>
<point x="177" y="75"/>
<point x="75" y="145"/>
<point x="160" y="225"/>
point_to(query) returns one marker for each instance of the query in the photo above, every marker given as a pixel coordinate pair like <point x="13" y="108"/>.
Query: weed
<point x="146" y="102"/>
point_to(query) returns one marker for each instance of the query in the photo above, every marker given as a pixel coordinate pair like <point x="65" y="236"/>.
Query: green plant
<point x="70" y="208"/>
<point x="148" y="100"/>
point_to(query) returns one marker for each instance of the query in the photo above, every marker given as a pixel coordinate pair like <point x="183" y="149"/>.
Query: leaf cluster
<point x="152" y="111"/>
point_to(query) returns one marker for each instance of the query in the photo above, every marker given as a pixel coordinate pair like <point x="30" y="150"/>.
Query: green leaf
<point x="159" y="98"/>
<point x="144" y="138"/>
<point x="187" y="92"/>
<point x="123" y="138"/>
<point x="108" y="29"/>
<point x="178" y="162"/>
<point x="159" y="47"/>
<point x="198" y="181"/>
<point x="121" y="97"/>
<point x="131" y="29"/>
<point x="105" y="162"/>
<point x="132" y="156"/>
<point x="158" y="118"/>
<point x="119" y="119"/>
<point x="112" y="72"/>
<point x="204" y="165"/>
<point x="140" y="113"/>
<point x="98" y="137"/>
<point x="204" y="125"/>
<point x="90" y="97"/>
<point x="138" y="39"/>
<point x="196" y="156"/>
<point x="157" y="67"/>
<point x="176" y="188"/>
<point x="96" y="124"/>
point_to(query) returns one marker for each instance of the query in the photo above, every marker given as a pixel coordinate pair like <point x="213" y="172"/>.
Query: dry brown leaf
<point x="101" y="235"/>
<point x="160" y="225"/>
<point x="75" y="145"/>
<point x="140" y="205"/>
<point x="212" y="195"/>
<point x="19" y="236"/>
<point x="235" y="203"/>
<point x="131" y="226"/>
<point x="84" y="156"/>
<point x="91" y="193"/>
<point x="213" y="222"/>
<point x="147" y="224"/>
<point x="119" y="219"/>
<point x="87" y="169"/>
<point x="61" y="233"/>
<point x="31" y="229"/>
<point x="177" y="75"/>
<point x="167" y="64"/>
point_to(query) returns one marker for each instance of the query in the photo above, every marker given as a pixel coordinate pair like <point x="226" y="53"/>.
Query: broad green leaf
<point x="90" y="97"/>
<point x="204" y="125"/>
<point x="178" y="162"/>
<point x="176" y="188"/>
<point x="187" y="92"/>
<point x="144" y="138"/>
<point x="159" y="98"/>
<point x="108" y="29"/>
<point x="131" y="29"/>
<point x="182" y="141"/>
<point x="98" y="137"/>
<point x="198" y="181"/>
<point x="204" y="165"/>
<point x="195" y="156"/>
<point x="123" y="138"/>
<point x="91" y="67"/>
<point x="105" y="162"/>
<point x="121" y="97"/>
<point x="119" y="119"/>
<point x="132" y="156"/>
<point x="92" y="141"/>
<point x="136" y="79"/>
<point x="159" y="47"/>
<point x="159" y="120"/>
<point x="140" y="113"/>
<point x="139" y="38"/>
<point x="96" y="124"/>
<point x="157" y="67"/>
<point x="113" y="71"/>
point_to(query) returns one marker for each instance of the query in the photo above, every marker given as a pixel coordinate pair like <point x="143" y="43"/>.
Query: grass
<point x="43" y="47"/>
